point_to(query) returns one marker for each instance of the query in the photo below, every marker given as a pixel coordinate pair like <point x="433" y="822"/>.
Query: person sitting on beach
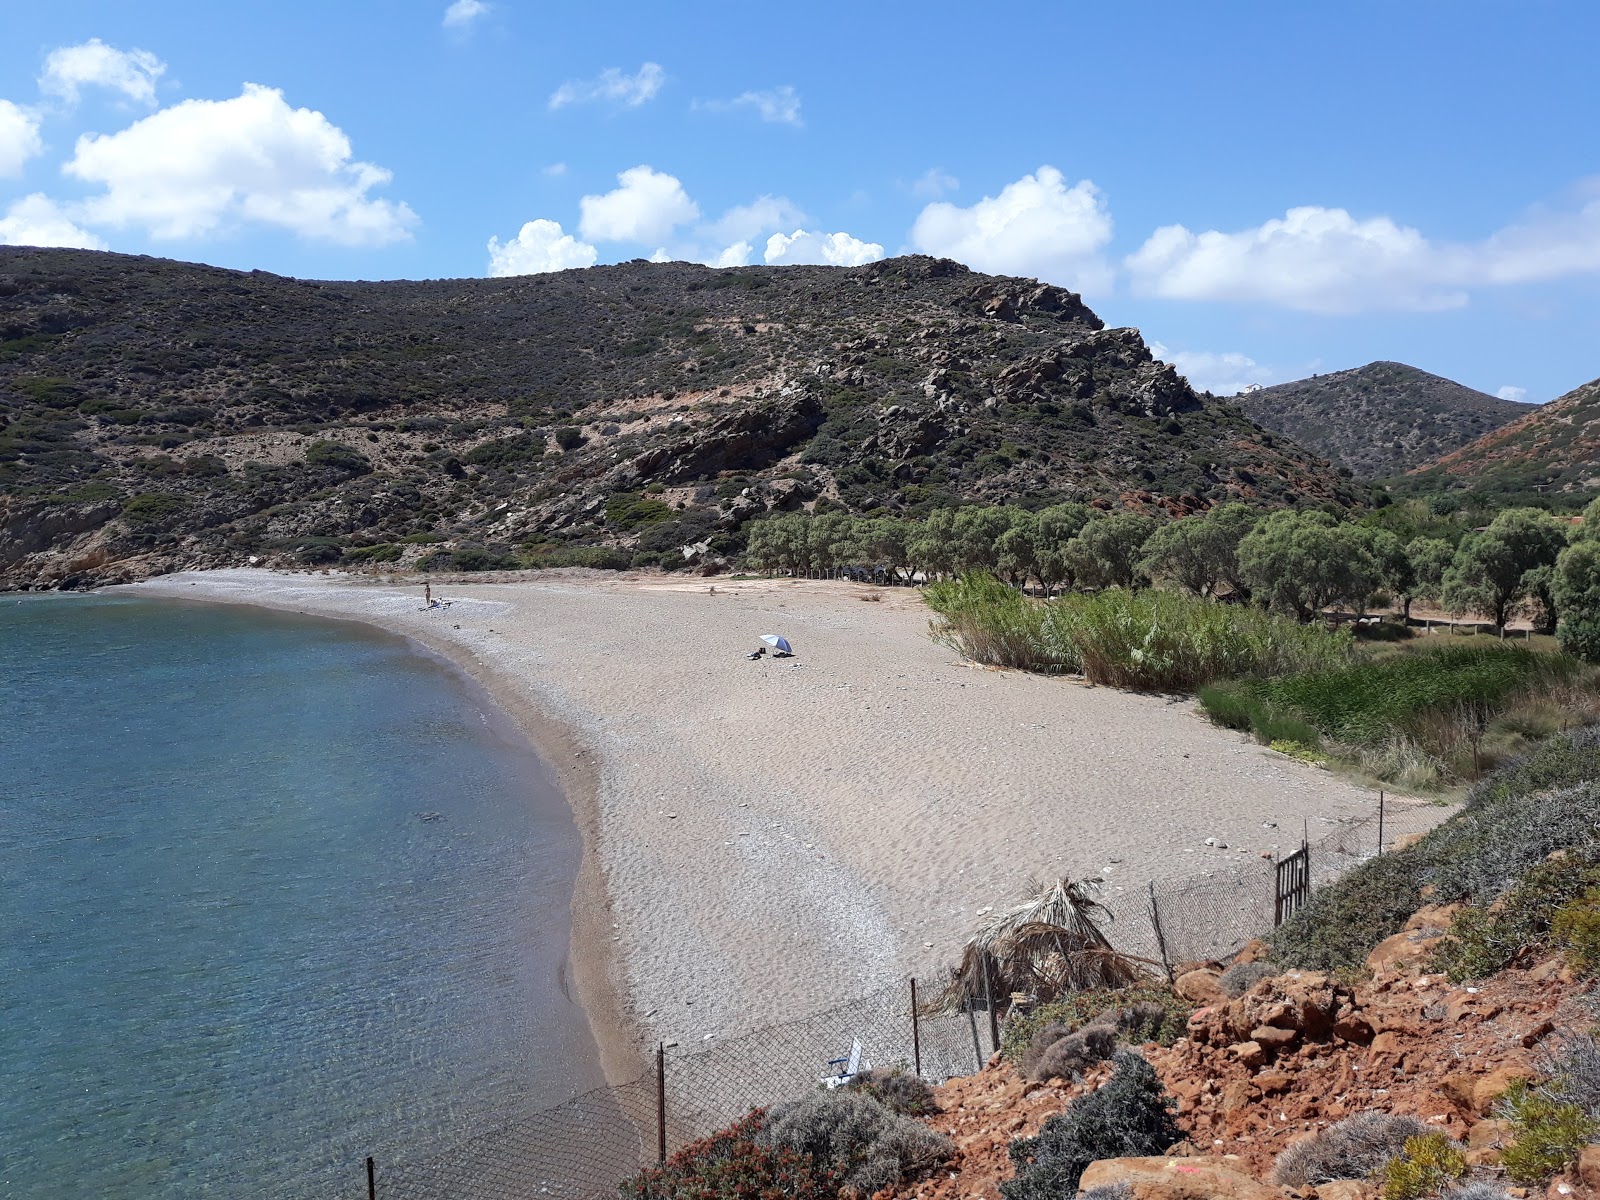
<point x="758" y="652"/>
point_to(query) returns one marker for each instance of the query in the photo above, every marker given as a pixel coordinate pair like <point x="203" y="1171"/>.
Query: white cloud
<point x="19" y="138"/>
<point x="614" y="85"/>
<point x="463" y="13"/>
<point x="829" y="249"/>
<point x="744" y="222"/>
<point x="203" y="166"/>
<point x="647" y="206"/>
<point x="1325" y="260"/>
<point x="1222" y="374"/>
<point x="556" y="170"/>
<point x="37" y="220"/>
<point x="736" y="255"/>
<point x="1036" y="226"/>
<point x="779" y="105"/>
<point x="1315" y="259"/>
<point x="934" y="184"/>
<point x="69" y="69"/>
<point x="539" y="246"/>
<point x="1509" y="392"/>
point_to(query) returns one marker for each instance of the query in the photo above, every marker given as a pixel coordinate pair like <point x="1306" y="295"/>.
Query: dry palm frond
<point x="1047" y="946"/>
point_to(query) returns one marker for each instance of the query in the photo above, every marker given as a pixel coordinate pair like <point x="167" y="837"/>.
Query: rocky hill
<point x="156" y="414"/>
<point x="1379" y="420"/>
<point x="1552" y="452"/>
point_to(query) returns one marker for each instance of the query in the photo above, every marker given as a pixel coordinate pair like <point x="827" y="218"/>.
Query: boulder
<point x="1346" y="1189"/>
<point x="1489" y="1087"/>
<point x="1403" y="953"/>
<point x="1273" y="1039"/>
<point x="1201" y="987"/>
<point x="1589" y="1168"/>
<point x="1178" y="1179"/>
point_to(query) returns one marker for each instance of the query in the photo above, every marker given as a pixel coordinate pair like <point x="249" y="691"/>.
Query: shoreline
<point x="765" y="840"/>
<point x="591" y="962"/>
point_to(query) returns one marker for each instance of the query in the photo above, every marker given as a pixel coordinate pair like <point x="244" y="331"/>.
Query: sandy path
<point x="776" y="835"/>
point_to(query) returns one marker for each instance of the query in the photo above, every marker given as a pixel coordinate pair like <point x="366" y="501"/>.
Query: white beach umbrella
<point x="777" y="643"/>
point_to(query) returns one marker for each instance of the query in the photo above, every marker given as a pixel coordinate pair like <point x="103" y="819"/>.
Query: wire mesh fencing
<point x="587" y="1146"/>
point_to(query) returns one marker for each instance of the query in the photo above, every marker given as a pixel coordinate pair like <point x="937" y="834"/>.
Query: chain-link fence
<point x="585" y="1147"/>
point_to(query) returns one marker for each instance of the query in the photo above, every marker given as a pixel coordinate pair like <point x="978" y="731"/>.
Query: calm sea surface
<point x="275" y="893"/>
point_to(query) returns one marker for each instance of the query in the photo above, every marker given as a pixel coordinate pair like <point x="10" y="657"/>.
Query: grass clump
<point x="1150" y="640"/>
<point x="1548" y="1133"/>
<point x="1354" y="1148"/>
<point x="897" y="1090"/>
<point x="1484" y="939"/>
<point x="734" y="1164"/>
<point x="854" y="1139"/>
<point x="1426" y="1166"/>
<point x="1147" y="1012"/>
<point x="1129" y="1116"/>
<point x="1241" y="977"/>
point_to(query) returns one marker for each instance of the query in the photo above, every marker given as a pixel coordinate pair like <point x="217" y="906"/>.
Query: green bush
<point x="1580" y="638"/>
<point x="1548" y="1135"/>
<point x="1165" y="1016"/>
<point x="152" y="508"/>
<point x="858" y="1141"/>
<point x="507" y="453"/>
<point x="599" y="558"/>
<point x="629" y="510"/>
<point x="734" y="1165"/>
<point x="1429" y="1163"/>
<point x="897" y="1090"/>
<point x="1354" y="1148"/>
<point x="337" y="456"/>
<point x="385" y="552"/>
<point x="1575" y="928"/>
<point x="1342" y="922"/>
<point x="1485" y="939"/>
<point x="569" y="437"/>
<point x="1128" y="1116"/>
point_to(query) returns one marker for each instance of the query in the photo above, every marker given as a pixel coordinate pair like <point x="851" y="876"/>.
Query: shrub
<point x="1343" y="921"/>
<point x="1478" y="1189"/>
<point x="734" y="1165"/>
<point x="1067" y="1056"/>
<point x="897" y="1090"/>
<point x="1354" y="1148"/>
<point x="1162" y="1014"/>
<point x="989" y="622"/>
<point x="1428" y="1163"/>
<point x="1128" y="1116"/>
<point x="1580" y="638"/>
<point x="152" y="508"/>
<point x="1572" y="1062"/>
<point x="1241" y="977"/>
<point x="569" y="437"/>
<point x="507" y="453"/>
<point x="385" y="552"/>
<point x="1108" y="1191"/>
<point x="337" y="456"/>
<point x="629" y="510"/>
<point x="859" y="1142"/>
<point x="1549" y="1134"/>
<point x="1482" y="940"/>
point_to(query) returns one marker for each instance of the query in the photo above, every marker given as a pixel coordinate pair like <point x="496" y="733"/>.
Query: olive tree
<point x="1301" y="562"/>
<point x="1490" y="570"/>
<point x="1576" y="589"/>
<point x="1109" y="552"/>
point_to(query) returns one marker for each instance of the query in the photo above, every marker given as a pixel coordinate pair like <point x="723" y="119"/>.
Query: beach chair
<point x="842" y="1070"/>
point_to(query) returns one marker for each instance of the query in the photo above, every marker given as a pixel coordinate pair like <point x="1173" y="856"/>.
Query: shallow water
<point x="275" y="893"/>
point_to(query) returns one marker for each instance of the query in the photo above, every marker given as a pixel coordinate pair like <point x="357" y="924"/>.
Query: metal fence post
<point x="994" y="1017"/>
<point x="372" y="1179"/>
<point x="1380" y="821"/>
<point x="916" y="1033"/>
<point x="661" y="1102"/>
<point x="972" y="1024"/>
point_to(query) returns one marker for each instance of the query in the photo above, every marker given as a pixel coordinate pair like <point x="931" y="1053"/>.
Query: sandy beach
<point x="765" y="838"/>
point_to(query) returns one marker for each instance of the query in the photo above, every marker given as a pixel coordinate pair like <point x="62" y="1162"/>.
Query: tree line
<point x="1291" y="561"/>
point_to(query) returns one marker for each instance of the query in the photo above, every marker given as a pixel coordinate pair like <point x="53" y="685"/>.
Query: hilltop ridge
<point x="1379" y="420"/>
<point x="156" y="414"/>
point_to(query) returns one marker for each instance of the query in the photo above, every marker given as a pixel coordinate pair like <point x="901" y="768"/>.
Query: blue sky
<point x="1265" y="189"/>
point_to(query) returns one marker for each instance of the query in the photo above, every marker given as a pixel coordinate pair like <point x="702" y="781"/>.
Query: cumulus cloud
<point x="745" y="222"/>
<point x="736" y="255"/>
<point x="70" y="69"/>
<point x="821" y="249"/>
<point x="614" y="85"/>
<point x="37" y="220"/>
<point x="934" y="184"/>
<point x="1223" y="374"/>
<point x="779" y="105"/>
<point x="1314" y="259"/>
<point x="556" y="169"/>
<point x="19" y="138"/>
<point x="646" y="207"/>
<point x="203" y="166"/>
<point x="1036" y="226"/>
<point x="539" y="246"/>
<point x="1510" y="392"/>
<point x="1325" y="260"/>
<point x="463" y="13"/>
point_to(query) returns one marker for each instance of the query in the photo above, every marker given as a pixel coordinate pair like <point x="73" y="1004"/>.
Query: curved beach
<point x="765" y="838"/>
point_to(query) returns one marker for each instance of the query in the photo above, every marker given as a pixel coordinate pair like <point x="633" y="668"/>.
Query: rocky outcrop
<point x="746" y="439"/>
<point x="1178" y="1179"/>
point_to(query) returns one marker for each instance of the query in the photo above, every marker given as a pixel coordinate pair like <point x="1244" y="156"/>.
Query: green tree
<point x="1054" y="528"/>
<point x="933" y="545"/>
<point x="978" y="529"/>
<point x="1576" y="590"/>
<point x="1017" y="553"/>
<point x="1430" y="558"/>
<point x="1487" y="573"/>
<point x="885" y="542"/>
<point x="1589" y="529"/>
<point x="1392" y="566"/>
<point x="1108" y="552"/>
<point x="1200" y="553"/>
<point x="1301" y="562"/>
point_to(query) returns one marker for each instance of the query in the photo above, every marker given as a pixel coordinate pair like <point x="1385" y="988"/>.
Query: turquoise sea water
<point x="275" y="893"/>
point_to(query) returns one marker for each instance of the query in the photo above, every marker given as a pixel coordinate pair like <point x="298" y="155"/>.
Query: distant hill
<point x="155" y="414"/>
<point x="1552" y="452"/>
<point x="1379" y="420"/>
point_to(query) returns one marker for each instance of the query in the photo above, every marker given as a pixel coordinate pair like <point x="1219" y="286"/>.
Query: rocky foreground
<point x="1293" y="1055"/>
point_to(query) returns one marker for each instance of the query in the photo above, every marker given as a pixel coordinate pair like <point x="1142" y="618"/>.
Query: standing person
<point x="427" y="595"/>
